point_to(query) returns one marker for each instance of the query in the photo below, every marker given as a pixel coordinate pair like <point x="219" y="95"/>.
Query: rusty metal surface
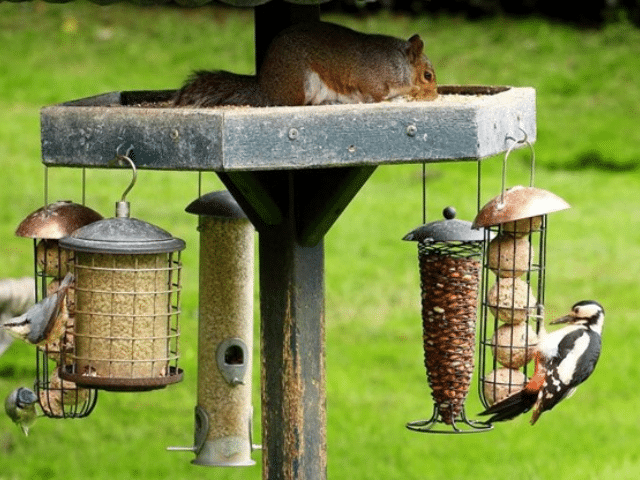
<point x="468" y="123"/>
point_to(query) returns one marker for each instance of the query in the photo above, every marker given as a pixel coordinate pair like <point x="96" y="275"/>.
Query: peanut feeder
<point x="449" y="257"/>
<point x="47" y="225"/>
<point x="127" y="304"/>
<point x="515" y="225"/>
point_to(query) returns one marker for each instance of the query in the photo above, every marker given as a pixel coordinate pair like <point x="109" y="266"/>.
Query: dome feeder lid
<point x="216" y="204"/>
<point x="448" y="230"/>
<point x="517" y="203"/>
<point x="122" y="235"/>
<point x="56" y="220"/>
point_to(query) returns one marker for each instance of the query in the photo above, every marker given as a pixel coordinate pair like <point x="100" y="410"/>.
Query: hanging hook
<point x="122" y="207"/>
<point x="524" y="140"/>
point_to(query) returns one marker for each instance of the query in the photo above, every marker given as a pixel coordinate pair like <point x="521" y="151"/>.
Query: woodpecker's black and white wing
<point x="577" y="355"/>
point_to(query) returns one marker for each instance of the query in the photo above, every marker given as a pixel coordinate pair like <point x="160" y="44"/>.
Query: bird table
<point x="293" y="170"/>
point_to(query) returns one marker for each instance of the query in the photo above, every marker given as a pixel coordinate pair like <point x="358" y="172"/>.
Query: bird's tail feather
<point x="512" y="406"/>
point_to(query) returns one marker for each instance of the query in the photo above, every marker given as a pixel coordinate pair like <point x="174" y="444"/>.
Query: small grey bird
<point x="46" y="320"/>
<point x="20" y="406"/>
<point x="17" y="295"/>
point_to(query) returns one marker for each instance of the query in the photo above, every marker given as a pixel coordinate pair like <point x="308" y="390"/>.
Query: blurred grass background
<point x="588" y="151"/>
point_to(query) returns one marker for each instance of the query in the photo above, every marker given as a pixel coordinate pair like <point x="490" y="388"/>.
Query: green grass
<point x="588" y="150"/>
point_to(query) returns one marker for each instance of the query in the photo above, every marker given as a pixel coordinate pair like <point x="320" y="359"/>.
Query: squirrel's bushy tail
<point x="210" y="89"/>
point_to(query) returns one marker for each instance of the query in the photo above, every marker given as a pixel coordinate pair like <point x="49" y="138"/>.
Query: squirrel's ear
<point x="416" y="45"/>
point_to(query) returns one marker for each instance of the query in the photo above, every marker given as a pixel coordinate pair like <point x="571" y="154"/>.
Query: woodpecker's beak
<point x="566" y="319"/>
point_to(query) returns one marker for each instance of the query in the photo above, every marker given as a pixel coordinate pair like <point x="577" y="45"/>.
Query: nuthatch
<point x="20" y="406"/>
<point x="17" y="295"/>
<point x="46" y="320"/>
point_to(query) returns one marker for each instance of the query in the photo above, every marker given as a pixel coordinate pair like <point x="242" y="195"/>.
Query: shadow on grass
<point x="594" y="160"/>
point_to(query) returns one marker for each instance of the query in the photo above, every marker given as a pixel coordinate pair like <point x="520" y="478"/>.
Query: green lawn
<point x="588" y="151"/>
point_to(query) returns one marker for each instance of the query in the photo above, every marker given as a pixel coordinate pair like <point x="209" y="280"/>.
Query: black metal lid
<point x="448" y="230"/>
<point x="122" y="235"/>
<point x="216" y="204"/>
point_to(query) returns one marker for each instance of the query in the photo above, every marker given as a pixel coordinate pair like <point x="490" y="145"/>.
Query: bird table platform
<point x="293" y="170"/>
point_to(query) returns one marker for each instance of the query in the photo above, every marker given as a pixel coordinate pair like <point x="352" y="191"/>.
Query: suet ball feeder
<point x="47" y="225"/>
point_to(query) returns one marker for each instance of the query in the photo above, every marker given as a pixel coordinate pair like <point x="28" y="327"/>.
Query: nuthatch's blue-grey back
<point x="46" y="320"/>
<point x="20" y="406"/>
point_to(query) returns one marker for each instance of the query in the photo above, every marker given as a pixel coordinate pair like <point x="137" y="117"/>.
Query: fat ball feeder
<point x="58" y="398"/>
<point x="513" y="283"/>
<point x="449" y="257"/>
<point x="127" y="303"/>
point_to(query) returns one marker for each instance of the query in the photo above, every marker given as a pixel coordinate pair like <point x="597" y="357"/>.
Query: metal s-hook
<point x="122" y="207"/>
<point x="524" y="140"/>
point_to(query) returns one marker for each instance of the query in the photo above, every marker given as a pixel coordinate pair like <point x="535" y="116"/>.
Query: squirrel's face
<point x="424" y="81"/>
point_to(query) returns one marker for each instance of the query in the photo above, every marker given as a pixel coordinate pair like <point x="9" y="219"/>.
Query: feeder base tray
<point x="115" y="384"/>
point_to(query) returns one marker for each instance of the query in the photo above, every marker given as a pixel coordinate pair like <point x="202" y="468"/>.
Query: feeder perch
<point x="58" y="398"/>
<point x="223" y="416"/>
<point x="449" y="257"/>
<point x="127" y="304"/>
<point x="514" y="263"/>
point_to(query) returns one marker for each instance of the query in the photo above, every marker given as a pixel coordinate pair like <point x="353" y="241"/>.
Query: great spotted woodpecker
<point x="564" y="359"/>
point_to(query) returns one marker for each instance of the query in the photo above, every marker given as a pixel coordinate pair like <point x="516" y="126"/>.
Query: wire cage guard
<point x="513" y="283"/>
<point x="513" y="279"/>
<point x="58" y="398"/>
<point x="127" y="332"/>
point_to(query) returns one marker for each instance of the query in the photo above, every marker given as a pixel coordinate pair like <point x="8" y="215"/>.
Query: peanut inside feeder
<point x="127" y="304"/>
<point x="448" y="253"/>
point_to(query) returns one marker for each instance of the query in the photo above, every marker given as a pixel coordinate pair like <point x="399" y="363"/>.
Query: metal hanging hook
<point x="122" y="207"/>
<point x="524" y="140"/>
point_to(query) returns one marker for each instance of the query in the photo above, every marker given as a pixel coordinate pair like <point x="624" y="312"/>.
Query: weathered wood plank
<point x="87" y="132"/>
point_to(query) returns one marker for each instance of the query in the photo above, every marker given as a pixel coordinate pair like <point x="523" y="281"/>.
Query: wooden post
<point x="292" y="351"/>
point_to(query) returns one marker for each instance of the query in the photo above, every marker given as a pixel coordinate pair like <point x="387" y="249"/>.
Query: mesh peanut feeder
<point x="127" y="304"/>
<point x="449" y="258"/>
<point x="47" y="225"/>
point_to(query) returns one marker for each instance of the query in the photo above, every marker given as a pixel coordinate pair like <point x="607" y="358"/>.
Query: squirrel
<point x="320" y="63"/>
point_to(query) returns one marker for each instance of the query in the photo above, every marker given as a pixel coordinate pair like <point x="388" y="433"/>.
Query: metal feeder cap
<point x="517" y="203"/>
<point x="56" y="220"/>
<point x="216" y="204"/>
<point x="122" y="235"/>
<point x="448" y="230"/>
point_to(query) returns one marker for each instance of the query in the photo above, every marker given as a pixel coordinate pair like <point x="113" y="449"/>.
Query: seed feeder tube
<point x="513" y="287"/>
<point x="127" y="304"/>
<point x="46" y="226"/>
<point x="449" y="257"/>
<point x="223" y="415"/>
